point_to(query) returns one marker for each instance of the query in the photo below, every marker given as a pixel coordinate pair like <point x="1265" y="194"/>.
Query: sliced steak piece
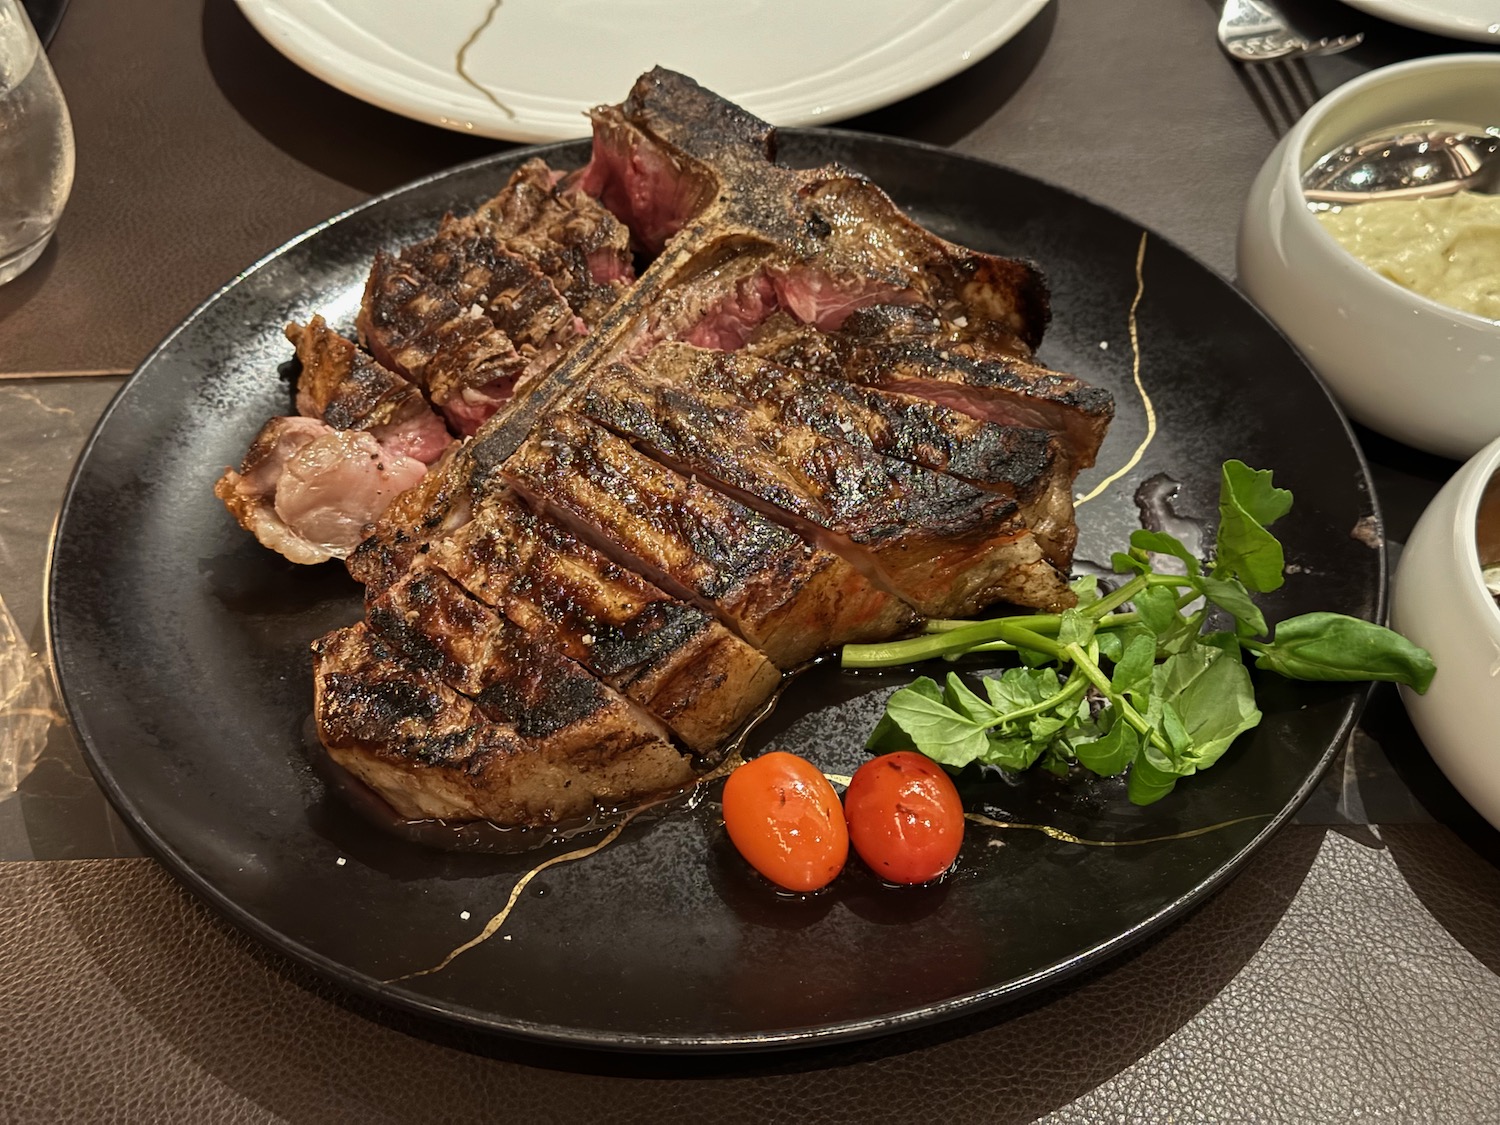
<point x="808" y="389"/>
<point x="674" y="660"/>
<point x="574" y="240"/>
<point x="937" y="542"/>
<point x="786" y="597"/>
<point x="310" y="487"/>
<point x="430" y="751"/>
<point x="342" y="386"/>
<point x="653" y="189"/>
<point x="997" y="387"/>
<point x="439" y="626"/>
<point x="311" y="492"/>
<point x="465" y="319"/>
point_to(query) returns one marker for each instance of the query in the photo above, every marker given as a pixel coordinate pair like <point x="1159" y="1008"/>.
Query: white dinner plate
<point x="531" y="67"/>
<point x="1463" y="19"/>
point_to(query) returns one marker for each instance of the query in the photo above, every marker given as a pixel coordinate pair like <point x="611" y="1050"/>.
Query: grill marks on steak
<point x="581" y="247"/>
<point x="938" y="543"/>
<point x="494" y="299"/>
<point x="437" y="625"/>
<point x="347" y="390"/>
<point x="432" y="751"/>
<point x="808" y="422"/>
<point x="906" y="351"/>
<point x="786" y="597"/>
<point x="1022" y="463"/>
<point x="466" y="320"/>
<point x="674" y="660"/>
<point x="490" y="302"/>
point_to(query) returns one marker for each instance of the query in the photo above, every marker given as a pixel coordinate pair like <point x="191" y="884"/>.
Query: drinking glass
<point x="36" y="144"/>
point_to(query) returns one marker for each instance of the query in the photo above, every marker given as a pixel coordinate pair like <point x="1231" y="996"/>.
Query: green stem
<point x="944" y="625"/>
<point x="950" y="639"/>
<point x="957" y="641"/>
<point x="890" y="654"/>
<point x="1096" y="676"/>
<point x="988" y="646"/>
<point x="1023" y="637"/>
<point x="1076" y="685"/>
<point x="1119" y="596"/>
<point x="1089" y="668"/>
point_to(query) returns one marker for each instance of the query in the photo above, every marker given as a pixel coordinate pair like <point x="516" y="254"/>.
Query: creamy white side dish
<point x="1446" y="248"/>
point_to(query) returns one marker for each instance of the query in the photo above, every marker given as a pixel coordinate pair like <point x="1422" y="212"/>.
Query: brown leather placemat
<point x="1335" y="978"/>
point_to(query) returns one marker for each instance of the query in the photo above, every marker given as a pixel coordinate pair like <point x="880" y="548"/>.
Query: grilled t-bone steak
<point x="809" y="421"/>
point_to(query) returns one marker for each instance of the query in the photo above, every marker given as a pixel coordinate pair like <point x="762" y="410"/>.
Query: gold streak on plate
<point x="492" y="927"/>
<point x="1069" y="838"/>
<point x="1135" y="351"/>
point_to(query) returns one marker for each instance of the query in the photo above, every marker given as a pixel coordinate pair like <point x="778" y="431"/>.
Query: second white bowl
<point x="1438" y="600"/>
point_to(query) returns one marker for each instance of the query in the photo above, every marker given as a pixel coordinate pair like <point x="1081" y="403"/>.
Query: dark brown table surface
<point x="1352" y="971"/>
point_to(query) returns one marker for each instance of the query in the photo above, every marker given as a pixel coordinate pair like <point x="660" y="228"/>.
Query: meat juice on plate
<point x="36" y="145"/>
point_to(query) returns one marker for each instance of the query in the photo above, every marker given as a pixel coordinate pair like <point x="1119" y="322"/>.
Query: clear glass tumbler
<point x="36" y="144"/>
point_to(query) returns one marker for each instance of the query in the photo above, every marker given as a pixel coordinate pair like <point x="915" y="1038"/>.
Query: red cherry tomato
<point x="786" y="820"/>
<point x="905" y="818"/>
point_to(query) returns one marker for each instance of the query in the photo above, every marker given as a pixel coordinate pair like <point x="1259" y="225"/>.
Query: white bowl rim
<point x="1291" y="176"/>
<point x="1478" y="474"/>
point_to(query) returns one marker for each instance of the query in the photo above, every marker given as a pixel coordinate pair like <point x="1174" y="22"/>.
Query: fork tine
<point x="1283" y="90"/>
<point x="1302" y="90"/>
<point x="1338" y="44"/>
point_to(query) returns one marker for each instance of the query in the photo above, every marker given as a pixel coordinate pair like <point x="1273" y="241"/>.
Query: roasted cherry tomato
<point x="905" y="818"/>
<point x="786" y="820"/>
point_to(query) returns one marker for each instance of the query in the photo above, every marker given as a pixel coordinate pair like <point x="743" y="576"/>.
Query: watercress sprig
<point x="1173" y="698"/>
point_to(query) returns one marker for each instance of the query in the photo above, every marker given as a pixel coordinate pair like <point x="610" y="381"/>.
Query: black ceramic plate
<point x="181" y="647"/>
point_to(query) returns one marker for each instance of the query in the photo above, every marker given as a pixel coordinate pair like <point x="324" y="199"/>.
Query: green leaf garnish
<point x="934" y="727"/>
<point x="1248" y="504"/>
<point x="1212" y="695"/>
<point x="1110" y="753"/>
<point x="1160" y="543"/>
<point x="1331" y="646"/>
<point x="1173" y="699"/>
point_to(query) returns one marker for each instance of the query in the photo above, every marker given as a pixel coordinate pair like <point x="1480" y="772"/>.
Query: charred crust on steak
<point x="698" y="121"/>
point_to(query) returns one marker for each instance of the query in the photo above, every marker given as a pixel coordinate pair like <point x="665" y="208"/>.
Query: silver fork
<point x="1254" y="32"/>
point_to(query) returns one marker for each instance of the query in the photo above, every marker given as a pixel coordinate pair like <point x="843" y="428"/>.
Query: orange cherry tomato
<point x="786" y="821"/>
<point x="905" y="818"/>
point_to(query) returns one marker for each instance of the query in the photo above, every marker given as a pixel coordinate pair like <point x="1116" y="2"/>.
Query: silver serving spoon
<point x="1409" y="161"/>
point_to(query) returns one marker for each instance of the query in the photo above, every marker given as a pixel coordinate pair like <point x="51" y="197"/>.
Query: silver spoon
<point x="1410" y="161"/>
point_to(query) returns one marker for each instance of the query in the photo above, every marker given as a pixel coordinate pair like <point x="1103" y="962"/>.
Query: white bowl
<point x="1400" y="363"/>
<point x="1438" y="601"/>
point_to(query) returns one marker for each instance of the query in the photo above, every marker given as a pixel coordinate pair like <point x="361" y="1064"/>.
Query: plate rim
<point x="1406" y="14"/>
<point x="790" y="1039"/>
